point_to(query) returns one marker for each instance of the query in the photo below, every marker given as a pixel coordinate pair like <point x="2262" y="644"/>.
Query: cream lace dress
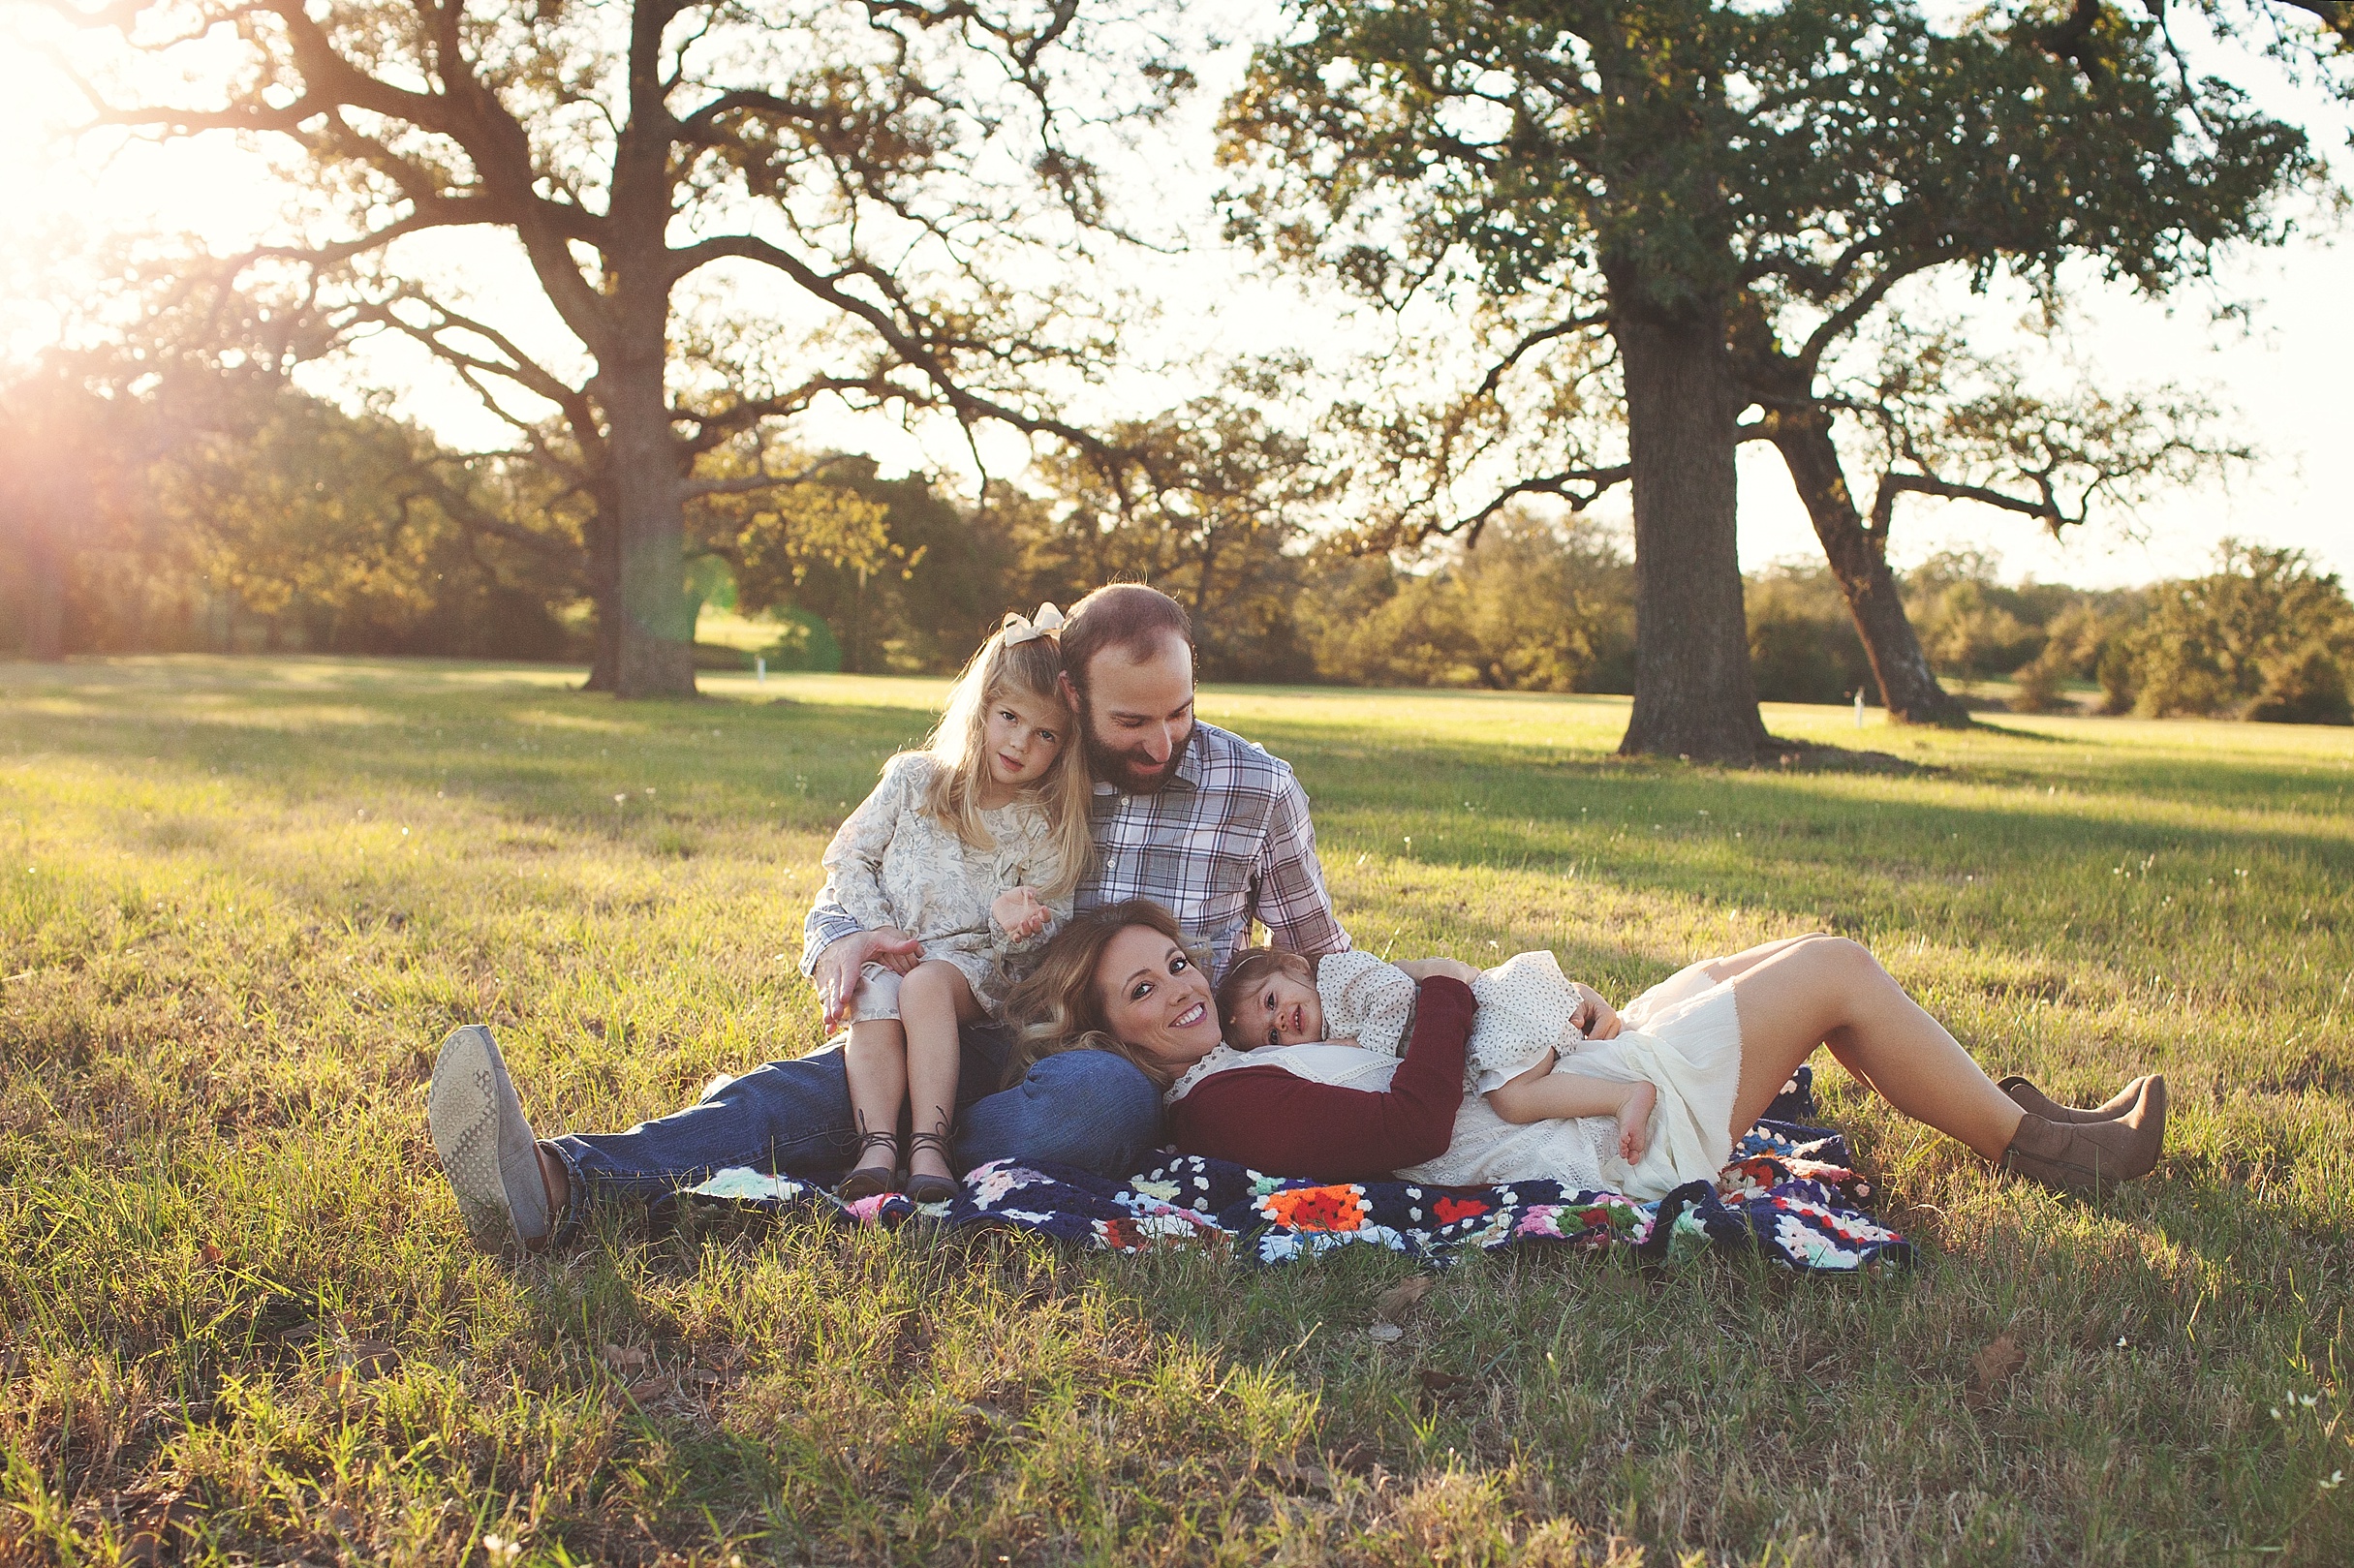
<point x="894" y="864"/>
<point x="1683" y="1036"/>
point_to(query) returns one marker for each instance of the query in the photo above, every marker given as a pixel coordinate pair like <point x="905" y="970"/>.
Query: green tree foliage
<point x="1216" y="519"/>
<point x="1803" y="644"/>
<point x="203" y="507"/>
<point x="1971" y="626"/>
<point x="337" y="531"/>
<point x="60" y="496"/>
<point x="2263" y="636"/>
<point x="911" y="582"/>
<point x="1530" y="605"/>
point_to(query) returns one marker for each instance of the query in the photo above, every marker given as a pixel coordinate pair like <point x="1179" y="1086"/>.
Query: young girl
<point x="1530" y="1018"/>
<point x="972" y="848"/>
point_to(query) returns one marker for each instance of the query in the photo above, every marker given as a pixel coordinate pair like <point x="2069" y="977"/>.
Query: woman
<point x="1122" y="978"/>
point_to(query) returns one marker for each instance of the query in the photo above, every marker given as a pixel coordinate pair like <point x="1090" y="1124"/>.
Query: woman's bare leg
<point x="933" y="999"/>
<point x="1749" y="958"/>
<point x="1829" y="991"/>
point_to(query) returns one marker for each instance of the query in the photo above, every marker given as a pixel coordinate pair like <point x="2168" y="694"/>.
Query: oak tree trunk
<point x="1694" y="696"/>
<point x="644" y="628"/>
<point x="604" y="590"/>
<point x="1859" y="560"/>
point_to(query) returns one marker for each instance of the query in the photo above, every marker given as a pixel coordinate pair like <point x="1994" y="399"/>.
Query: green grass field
<point x="241" y="901"/>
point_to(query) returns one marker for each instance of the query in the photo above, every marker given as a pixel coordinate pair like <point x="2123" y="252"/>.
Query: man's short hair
<point x="1131" y="617"/>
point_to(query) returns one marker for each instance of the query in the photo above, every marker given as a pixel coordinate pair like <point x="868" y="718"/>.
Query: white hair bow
<point x="1020" y="629"/>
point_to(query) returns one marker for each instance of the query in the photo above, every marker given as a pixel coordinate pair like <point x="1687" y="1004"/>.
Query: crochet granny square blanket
<point x="1790" y="1194"/>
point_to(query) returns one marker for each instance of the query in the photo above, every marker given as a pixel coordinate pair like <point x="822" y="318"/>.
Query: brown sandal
<point x="927" y="1188"/>
<point x="868" y="1180"/>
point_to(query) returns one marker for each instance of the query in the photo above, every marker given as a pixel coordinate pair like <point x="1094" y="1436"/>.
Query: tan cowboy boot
<point x="2089" y="1157"/>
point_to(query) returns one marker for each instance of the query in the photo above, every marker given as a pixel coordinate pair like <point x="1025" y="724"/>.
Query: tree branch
<point x="1894" y="484"/>
<point x="751" y="482"/>
<point x="1542" y="335"/>
<point x="911" y="349"/>
<point x="1581" y="487"/>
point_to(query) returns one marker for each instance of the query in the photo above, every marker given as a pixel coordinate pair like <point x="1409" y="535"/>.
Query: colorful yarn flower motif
<point x="1317" y="1207"/>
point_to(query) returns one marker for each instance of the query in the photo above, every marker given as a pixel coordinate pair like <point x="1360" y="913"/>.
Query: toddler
<point x="1531" y="1017"/>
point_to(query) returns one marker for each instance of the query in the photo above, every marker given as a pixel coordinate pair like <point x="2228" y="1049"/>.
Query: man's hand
<point x="1018" y="912"/>
<point x="1594" y="1018"/>
<point x="1433" y="968"/>
<point x="836" y="975"/>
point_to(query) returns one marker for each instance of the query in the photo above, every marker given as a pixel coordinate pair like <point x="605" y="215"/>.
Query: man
<point x="1186" y="814"/>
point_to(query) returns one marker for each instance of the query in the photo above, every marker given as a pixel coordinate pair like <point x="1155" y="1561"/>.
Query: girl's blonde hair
<point x="959" y="744"/>
<point x="1058" y="1007"/>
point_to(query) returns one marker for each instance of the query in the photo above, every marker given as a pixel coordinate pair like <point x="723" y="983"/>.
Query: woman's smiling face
<point x="1156" y="998"/>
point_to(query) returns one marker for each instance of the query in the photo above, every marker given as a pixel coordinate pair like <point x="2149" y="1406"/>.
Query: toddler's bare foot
<point x="1635" y="1122"/>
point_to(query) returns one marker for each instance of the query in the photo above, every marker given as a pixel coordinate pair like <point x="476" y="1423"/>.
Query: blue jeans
<point x="1086" y="1108"/>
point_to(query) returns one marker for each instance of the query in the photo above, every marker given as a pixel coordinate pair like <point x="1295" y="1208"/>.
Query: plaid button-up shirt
<point x="1224" y="842"/>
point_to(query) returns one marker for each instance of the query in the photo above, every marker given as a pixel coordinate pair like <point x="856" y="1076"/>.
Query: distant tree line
<point x="2263" y="636"/>
<point x="235" y="513"/>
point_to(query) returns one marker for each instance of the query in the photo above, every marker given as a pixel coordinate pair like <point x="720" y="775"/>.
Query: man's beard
<point x="1129" y="774"/>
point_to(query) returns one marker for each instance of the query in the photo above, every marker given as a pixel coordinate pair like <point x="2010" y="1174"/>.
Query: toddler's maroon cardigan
<point x="1282" y="1124"/>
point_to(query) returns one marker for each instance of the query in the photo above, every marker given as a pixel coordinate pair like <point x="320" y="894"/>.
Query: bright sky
<point x="2286" y="374"/>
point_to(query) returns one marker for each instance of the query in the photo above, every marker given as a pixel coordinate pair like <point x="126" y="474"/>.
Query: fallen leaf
<point x="1385" y="1333"/>
<point x="1991" y="1372"/>
<point x="209" y="1255"/>
<point x="1439" y="1382"/>
<point x="1399" y="1298"/>
<point x="651" y="1388"/>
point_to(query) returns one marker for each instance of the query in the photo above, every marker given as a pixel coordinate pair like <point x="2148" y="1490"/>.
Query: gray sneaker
<point x="485" y="1146"/>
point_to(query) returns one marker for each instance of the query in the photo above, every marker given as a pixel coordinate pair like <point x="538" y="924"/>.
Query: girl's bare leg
<point x="933" y="999"/>
<point x="1544" y="1093"/>
<point x="876" y="1062"/>
<point x="1829" y="991"/>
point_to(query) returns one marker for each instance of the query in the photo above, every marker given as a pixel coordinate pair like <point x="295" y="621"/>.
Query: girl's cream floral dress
<point x="894" y="864"/>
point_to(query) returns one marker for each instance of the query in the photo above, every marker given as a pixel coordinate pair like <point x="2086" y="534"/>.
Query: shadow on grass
<point x="2037" y="736"/>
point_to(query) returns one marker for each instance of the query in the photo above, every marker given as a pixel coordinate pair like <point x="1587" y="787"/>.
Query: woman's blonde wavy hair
<point x="1058" y="1006"/>
<point x="960" y="744"/>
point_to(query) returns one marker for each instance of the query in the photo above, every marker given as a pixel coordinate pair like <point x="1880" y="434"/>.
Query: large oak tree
<point x="874" y="199"/>
<point x="1700" y="202"/>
